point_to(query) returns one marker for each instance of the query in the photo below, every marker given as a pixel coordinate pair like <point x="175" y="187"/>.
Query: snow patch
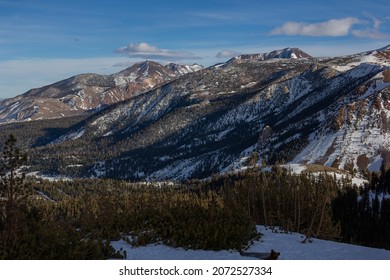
<point x="295" y="168"/>
<point x="71" y="136"/>
<point x="376" y="164"/>
<point x="288" y="244"/>
<point x="316" y="149"/>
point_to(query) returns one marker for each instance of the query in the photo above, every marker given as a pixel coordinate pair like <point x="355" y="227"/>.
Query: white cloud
<point x="138" y="48"/>
<point x="226" y="54"/>
<point x="332" y="28"/>
<point x="146" y="51"/>
<point x="371" y="33"/>
<point x="377" y="23"/>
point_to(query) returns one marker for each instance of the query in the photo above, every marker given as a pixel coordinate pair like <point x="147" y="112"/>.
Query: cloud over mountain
<point x="226" y="54"/>
<point x="146" y="51"/>
<point x="332" y="27"/>
<point x="371" y="32"/>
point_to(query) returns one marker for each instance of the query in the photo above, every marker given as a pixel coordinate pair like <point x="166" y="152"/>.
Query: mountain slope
<point x="180" y="70"/>
<point x="85" y="92"/>
<point x="293" y="53"/>
<point x="330" y="111"/>
<point x="355" y="134"/>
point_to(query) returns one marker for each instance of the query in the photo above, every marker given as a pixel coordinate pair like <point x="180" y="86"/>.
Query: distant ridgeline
<point x="154" y="122"/>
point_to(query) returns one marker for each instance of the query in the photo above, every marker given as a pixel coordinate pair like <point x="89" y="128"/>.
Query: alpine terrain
<point x="85" y="92"/>
<point x="173" y="122"/>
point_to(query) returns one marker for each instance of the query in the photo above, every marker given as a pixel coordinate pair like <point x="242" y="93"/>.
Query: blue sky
<point x="45" y="41"/>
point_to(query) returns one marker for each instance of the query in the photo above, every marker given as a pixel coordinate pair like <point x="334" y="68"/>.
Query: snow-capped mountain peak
<point x="140" y="71"/>
<point x="180" y="70"/>
<point x="284" y="105"/>
<point x="84" y="92"/>
<point x="287" y="53"/>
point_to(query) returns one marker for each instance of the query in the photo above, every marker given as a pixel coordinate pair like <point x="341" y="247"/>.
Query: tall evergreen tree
<point x="12" y="186"/>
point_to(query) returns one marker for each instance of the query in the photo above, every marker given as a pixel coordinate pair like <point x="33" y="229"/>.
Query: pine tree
<point x="11" y="181"/>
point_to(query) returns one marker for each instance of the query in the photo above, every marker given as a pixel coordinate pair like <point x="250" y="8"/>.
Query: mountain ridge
<point x="286" y="53"/>
<point x="329" y="111"/>
<point x="85" y="92"/>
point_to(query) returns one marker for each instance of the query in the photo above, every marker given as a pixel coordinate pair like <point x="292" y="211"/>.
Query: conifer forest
<point x="251" y="130"/>
<point x="76" y="219"/>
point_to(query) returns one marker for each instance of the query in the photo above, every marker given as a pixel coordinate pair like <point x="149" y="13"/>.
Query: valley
<point x="194" y="158"/>
<point x="286" y="106"/>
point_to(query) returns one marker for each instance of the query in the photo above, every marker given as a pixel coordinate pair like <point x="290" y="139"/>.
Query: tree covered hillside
<point x="74" y="219"/>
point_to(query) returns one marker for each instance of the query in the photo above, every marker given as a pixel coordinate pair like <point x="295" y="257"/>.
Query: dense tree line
<point x="75" y="219"/>
<point x="72" y="220"/>
<point x="35" y="133"/>
<point x="364" y="213"/>
<point x="300" y="203"/>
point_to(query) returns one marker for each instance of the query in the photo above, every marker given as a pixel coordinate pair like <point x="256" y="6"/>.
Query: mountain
<point x="284" y="106"/>
<point x="85" y="92"/>
<point x="180" y="70"/>
<point x="294" y="53"/>
<point x="354" y="126"/>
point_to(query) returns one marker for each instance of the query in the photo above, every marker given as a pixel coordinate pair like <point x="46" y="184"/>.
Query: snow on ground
<point x="52" y="178"/>
<point x="372" y="195"/>
<point x="317" y="148"/>
<point x="376" y="164"/>
<point x="294" y="168"/>
<point x="288" y="244"/>
<point x="291" y="248"/>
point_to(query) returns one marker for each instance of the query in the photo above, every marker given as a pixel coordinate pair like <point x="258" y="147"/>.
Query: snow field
<point x="289" y="245"/>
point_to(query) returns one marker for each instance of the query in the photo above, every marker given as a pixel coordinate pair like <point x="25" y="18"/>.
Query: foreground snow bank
<point x="291" y="248"/>
<point x="288" y="244"/>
